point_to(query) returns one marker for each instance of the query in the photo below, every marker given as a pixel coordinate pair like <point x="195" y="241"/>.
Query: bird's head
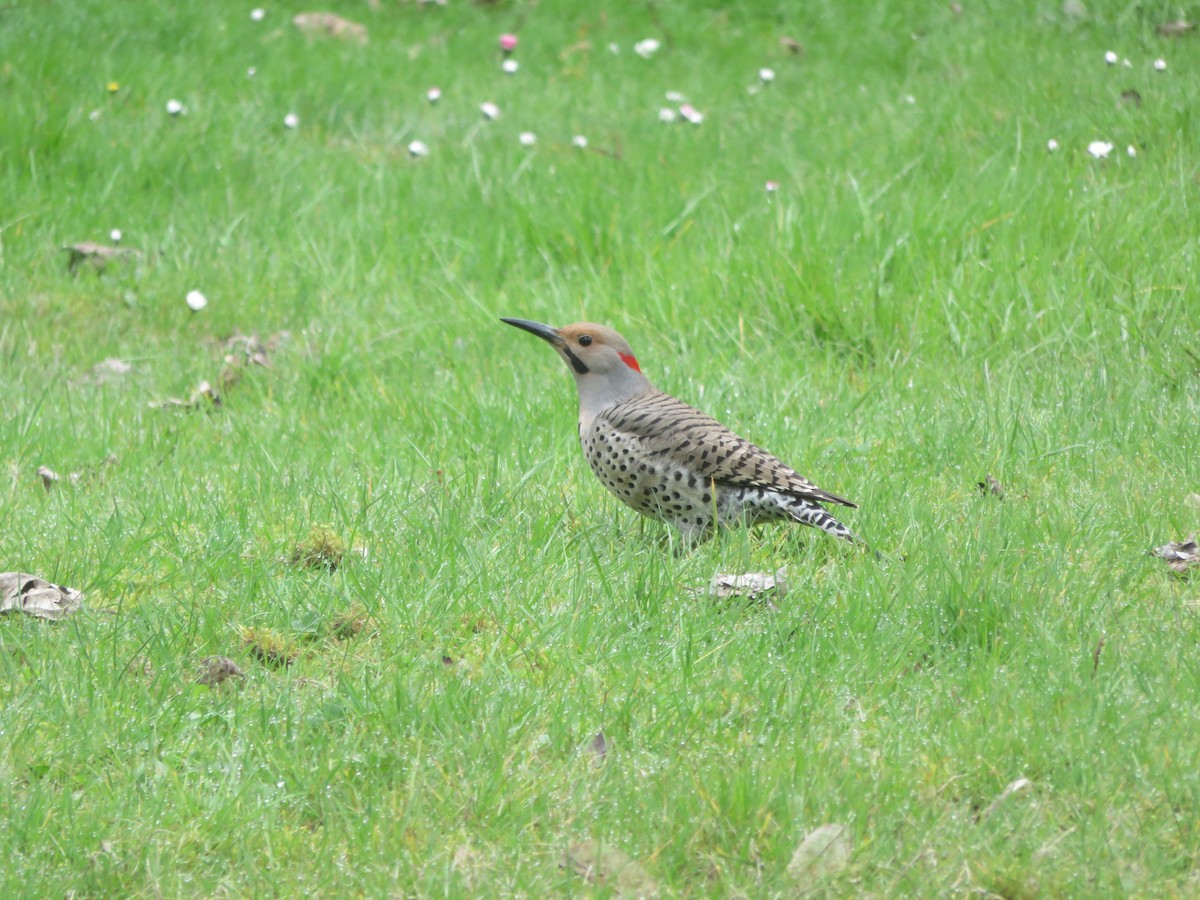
<point x="605" y="369"/>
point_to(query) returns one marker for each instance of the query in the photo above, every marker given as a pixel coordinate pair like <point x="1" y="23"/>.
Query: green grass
<point x="929" y="297"/>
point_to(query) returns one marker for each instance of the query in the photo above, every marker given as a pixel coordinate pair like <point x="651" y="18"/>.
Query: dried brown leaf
<point x="331" y="25"/>
<point x="602" y="864"/>
<point x="37" y="597"/>
<point x="247" y="349"/>
<point x="792" y="45"/>
<point x="599" y="745"/>
<point x="1180" y="555"/>
<point x="1178" y="28"/>
<point x="991" y="485"/>
<point x="218" y="669"/>
<point x="97" y="255"/>
<point x="823" y="852"/>
<point x="1131" y="96"/>
<point x="205" y="396"/>
<point x="751" y="585"/>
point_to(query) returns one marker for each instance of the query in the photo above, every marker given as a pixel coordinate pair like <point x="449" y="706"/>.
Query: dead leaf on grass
<point x="331" y="25"/>
<point x="751" y="585"/>
<point x="991" y="485"/>
<point x="599" y="745"/>
<point x="601" y="864"/>
<point x="205" y="396"/>
<point x="1129" y="95"/>
<point x="37" y="597"/>
<point x="1074" y="9"/>
<point x="108" y="370"/>
<point x="218" y="669"/>
<point x="792" y="45"/>
<point x="97" y="255"/>
<point x="1013" y="787"/>
<point x="823" y="852"/>
<point x="1180" y="555"/>
<point x="1178" y="28"/>
<point x="1192" y="500"/>
<point x="249" y="350"/>
<point x="244" y="350"/>
<point x="469" y="863"/>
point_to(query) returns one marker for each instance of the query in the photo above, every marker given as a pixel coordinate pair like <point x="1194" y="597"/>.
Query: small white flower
<point x="433" y="95"/>
<point x="291" y="120"/>
<point x="692" y="114"/>
<point x="772" y="186"/>
<point x="1052" y="145"/>
<point x="753" y="89"/>
<point x="1131" y="151"/>
<point x="666" y="114"/>
<point x="115" y="235"/>
<point x="174" y="108"/>
<point x="1160" y="65"/>
<point x="1126" y="63"/>
<point x="647" y="48"/>
<point x="196" y="301"/>
<point x="94" y="115"/>
<point x="1100" y="149"/>
<point x="510" y="66"/>
<point x="766" y="76"/>
<point x="417" y="149"/>
<point x="614" y="49"/>
<point x="251" y="72"/>
<point x="527" y="138"/>
<point x="490" y="111"/>
<point x="257" y="15"/>
<point x="910" y="99"/>
<point x="675" y="97"/>
<point x="579" y="141"/>
<point x="1111" y="58"/>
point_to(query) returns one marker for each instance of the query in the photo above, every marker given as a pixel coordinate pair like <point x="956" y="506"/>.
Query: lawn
<point x="465" y="669"/>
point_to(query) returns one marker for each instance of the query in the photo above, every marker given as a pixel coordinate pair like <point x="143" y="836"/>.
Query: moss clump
<point x="322" y="549"/>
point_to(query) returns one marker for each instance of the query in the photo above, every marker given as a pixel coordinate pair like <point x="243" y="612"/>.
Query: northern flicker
<point x="668" y="460"/>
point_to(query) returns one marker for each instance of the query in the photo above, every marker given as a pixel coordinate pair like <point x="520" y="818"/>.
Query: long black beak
<point x="545" y="332"/>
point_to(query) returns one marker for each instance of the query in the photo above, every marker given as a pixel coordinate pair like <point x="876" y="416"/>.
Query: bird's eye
<point x="585" y="340"/>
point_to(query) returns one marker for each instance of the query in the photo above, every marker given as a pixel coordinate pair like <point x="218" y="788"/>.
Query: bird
<point x="668" y="460"/>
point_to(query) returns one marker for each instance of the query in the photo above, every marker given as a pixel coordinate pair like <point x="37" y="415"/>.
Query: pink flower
<point x="508" y="42"/>
<point x="772" y="187"/>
